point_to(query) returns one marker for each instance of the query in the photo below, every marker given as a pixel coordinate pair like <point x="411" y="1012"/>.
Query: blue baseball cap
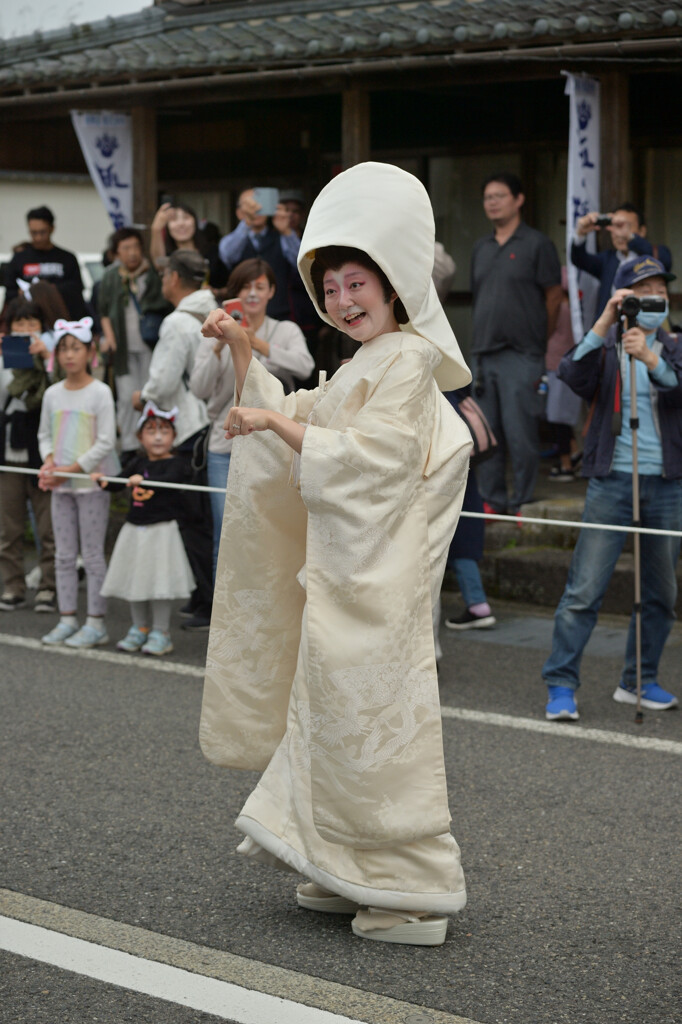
<point x="637" y="269"/>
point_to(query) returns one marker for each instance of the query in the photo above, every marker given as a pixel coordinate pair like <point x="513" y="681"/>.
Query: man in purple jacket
<point x="599" y="369"/>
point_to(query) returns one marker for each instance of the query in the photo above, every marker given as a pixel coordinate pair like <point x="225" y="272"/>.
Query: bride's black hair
<point x="333" y="257"/>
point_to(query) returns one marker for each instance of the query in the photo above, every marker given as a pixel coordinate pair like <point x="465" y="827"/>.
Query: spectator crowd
<point x="126" y="385"/>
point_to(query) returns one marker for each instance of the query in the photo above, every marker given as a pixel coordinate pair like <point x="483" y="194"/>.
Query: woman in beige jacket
<point x="278" y="344"/>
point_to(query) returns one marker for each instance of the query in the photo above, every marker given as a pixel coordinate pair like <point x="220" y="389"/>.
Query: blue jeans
<point x="217" y="466"/>
<point x="469" y="581"/>
<point x="609" y="500"/>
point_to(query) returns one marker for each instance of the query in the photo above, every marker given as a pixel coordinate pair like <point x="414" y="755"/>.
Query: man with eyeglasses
<point x="44" y="260"/>
<point x="516" y="286"/>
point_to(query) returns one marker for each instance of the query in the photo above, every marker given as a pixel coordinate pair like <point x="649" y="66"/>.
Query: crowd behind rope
<point x="126" y="384"/>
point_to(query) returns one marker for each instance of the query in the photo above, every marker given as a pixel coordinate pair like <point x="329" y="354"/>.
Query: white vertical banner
<point x="582" y="191"/>
<point x="105" y="138"/>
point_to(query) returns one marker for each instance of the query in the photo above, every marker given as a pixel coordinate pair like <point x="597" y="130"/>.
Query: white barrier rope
<point x="576" y="524"/>
<point x="517" y="520"/>
<point x="119" y="480"/>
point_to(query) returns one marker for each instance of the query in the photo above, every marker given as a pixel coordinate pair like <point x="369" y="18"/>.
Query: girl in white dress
<point x="149" y="567"/>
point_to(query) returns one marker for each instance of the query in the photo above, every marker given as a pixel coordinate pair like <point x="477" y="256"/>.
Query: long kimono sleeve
<point x="258" y="603"/>
<point x="377" y="768"/>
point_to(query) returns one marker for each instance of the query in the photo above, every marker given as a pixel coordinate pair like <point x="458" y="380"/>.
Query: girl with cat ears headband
<point x="80" y="329"/>
<point x="152" y="412"/>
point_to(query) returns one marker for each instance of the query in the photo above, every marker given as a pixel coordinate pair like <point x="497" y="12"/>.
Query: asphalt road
<point x="570" y="845"/>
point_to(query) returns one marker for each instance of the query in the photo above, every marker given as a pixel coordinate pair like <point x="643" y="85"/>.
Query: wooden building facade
<point x="225" y="95"/>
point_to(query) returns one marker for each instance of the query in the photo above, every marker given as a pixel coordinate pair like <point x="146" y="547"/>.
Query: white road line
<point x="172" y="984"/>
<point x="111" y="657"/>
<point x="249" y="990"/>
<point x="576" y="732"/>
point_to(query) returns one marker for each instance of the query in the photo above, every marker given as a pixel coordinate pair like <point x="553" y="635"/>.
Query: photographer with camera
<point x="264" y="231"/>
<point x="598" y="369"/>
<point x="628" y="235"/>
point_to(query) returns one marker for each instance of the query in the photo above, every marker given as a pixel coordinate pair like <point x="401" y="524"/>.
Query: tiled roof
<point x="185" y="39"/>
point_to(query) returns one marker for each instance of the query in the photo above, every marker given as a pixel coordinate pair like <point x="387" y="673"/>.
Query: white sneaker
<point x="61" y="632"/>
<point x="87" y="636"/>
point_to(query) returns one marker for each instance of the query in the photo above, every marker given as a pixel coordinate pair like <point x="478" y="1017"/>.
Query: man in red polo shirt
<point x="516" y="285"/>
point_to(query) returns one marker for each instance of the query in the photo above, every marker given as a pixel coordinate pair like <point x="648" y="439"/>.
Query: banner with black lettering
<point x="105" y="138"/>
<point x="582" y="192"/>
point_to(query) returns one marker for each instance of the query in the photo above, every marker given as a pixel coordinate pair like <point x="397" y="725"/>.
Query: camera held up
<point x="633" y="305"/>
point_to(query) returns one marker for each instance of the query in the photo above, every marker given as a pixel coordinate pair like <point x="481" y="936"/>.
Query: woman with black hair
<point x="340" y="507"/>
<point x="176" y="226"/>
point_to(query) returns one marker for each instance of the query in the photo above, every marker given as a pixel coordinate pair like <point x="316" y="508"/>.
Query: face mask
<point x="652" y="321"/>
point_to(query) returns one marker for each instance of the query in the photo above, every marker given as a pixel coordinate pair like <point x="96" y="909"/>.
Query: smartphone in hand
<point x="235" y="309"/>
<point x="15" y="352"/>
<point x="268" y="199"/>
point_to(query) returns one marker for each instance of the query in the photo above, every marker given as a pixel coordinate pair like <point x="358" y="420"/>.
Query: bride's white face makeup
<point x="354" y="299"/>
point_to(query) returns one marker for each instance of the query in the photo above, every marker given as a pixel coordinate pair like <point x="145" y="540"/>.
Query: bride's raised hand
<point x="222" y="327"/>
<point x="219" y="324"/>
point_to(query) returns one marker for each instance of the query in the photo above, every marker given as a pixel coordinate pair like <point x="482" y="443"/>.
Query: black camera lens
<point x="630" y="306"/>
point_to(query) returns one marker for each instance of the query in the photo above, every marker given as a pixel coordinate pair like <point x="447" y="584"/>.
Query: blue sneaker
<point x="561" y="705"/>
<point x="87" y="636"/>
<point x="61" y="632"/>
<point x="133" y="640"/>
<point x="654" y="697"/>
<point x="157" y="643"/>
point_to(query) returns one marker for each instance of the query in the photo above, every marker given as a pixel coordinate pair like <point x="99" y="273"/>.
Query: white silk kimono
<point x="321" y="669"/>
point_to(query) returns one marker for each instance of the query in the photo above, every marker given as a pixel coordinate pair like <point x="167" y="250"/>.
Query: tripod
<point x="637" y="607"/>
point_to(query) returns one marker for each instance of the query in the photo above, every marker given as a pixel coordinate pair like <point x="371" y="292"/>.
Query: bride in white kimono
<point x="341" y="503"/>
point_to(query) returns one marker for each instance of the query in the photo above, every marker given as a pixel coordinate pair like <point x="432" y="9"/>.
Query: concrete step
<point x="537" y="575"/>
<point x="499" y="535"/>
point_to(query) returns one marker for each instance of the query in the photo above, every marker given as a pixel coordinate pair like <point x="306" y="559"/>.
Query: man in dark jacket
<point x="271" y="238"/>
<point x="599" y="370"/>
<point x="628" y="236"/>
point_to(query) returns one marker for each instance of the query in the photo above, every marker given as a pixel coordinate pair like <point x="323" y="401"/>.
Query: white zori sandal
<point x="396" y="926"/>
<point x="314" y="897"/>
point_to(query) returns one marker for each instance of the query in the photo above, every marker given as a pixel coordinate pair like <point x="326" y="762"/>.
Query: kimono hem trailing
<point x="321" y="670"/>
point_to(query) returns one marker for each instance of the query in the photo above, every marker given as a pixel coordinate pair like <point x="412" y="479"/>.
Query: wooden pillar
<point x="355" y="126"/>
<point x="615" y="139"/>
<point x="145" y="180"/>
<point x="530" y="182"/>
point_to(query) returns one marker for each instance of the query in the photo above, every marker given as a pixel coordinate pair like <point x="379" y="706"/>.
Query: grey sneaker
<point x="157" y="643"/>
<point x="46" y="601"/>
<point x="10" y="602"/>
<point x="133" y="640"/>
